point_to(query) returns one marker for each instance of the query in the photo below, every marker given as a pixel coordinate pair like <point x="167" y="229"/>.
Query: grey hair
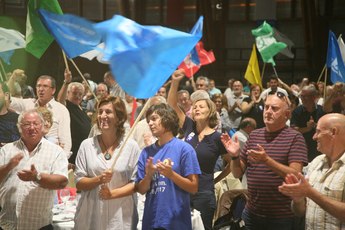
<point x="30" y="111"/>
<point x="310" y="88"/>
<point x="203" y="78"/>
<point x="77" y="85"/>
<point x="50" y="78"/>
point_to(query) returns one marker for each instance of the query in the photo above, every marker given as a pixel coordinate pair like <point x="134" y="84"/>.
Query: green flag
<point x="266" y="43"/>
<point x="38" y="39"/>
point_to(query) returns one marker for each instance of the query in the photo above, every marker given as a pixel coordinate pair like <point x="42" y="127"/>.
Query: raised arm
<point x="172" y="95"/>
<point x="63" y="91"/>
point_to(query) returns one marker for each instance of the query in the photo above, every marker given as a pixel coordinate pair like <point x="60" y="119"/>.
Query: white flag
<point x="341" y="47"/>
<point x="11" y="40"/>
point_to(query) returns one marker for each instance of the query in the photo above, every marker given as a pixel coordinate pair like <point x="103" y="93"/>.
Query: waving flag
<point x="280" y="37"/>
<point x="142" y="58"/>
<point x="334" y="60"/>
<point x="341" y="47"/>
<point x="266" y="43"/>
<point x="11" y="40"/>
<point x="196" y="58"/>
<point x="253" y="72"/>
<point x="6" y="56"/>
<point x="38" y="39"/>
<point x="74" y="34"/>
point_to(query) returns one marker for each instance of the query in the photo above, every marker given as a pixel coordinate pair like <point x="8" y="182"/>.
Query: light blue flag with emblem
<point x="74" y="34"/>
<point x="142" y="58"/>
<point x="334" y="60"/>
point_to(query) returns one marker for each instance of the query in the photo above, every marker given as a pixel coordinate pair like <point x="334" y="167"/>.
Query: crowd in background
<point x="220" y="141"/>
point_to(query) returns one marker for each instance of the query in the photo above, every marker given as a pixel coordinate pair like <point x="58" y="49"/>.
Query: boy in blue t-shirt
<point x="167" y="172"/>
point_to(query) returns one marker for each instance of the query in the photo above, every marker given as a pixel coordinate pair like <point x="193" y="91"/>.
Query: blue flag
<point x="334" y="60"/>
<point x="142" y="58"/>
<point x="74" y="34"/>
<point x="6" y="56"/>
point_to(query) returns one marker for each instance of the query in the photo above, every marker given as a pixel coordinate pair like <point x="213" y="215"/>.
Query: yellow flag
<point x="253" y="72"/>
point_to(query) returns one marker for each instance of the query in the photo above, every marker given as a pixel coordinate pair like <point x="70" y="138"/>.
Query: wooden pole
<point x="263" y="71"/>
<point x="82" y="76"/>
<point x="2" y="72"/>
<point x="147" y="104"/>
<point x="323" y="70"/>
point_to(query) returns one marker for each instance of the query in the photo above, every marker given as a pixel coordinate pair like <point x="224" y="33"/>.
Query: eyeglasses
<point x="43" y="86"/>
<point x="281" y="96"/>
<point x="28" y="125"/>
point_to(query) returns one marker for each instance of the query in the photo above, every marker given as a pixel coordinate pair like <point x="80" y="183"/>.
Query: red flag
<point x="197" y="58"/>
<point x="134" y="108"/>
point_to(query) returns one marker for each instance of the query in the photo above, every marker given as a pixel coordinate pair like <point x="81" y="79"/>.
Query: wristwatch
<point x="38" y="177"/>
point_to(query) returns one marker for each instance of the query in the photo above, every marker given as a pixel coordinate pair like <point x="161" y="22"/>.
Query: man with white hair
<point x="31" y="169"/>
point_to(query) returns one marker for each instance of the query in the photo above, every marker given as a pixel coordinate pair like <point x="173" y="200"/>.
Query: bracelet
<point x="235" y="158"/>
<point x="65" y="82"/>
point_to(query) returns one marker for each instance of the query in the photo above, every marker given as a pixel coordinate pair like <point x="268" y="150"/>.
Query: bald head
<point x="330" y="136"/>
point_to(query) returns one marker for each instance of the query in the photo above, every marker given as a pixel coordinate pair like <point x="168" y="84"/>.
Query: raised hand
<point x="257" y="156"/>
<point x="165" y="168"/>
<point x="178" y="74"/>
<point x="150" y="168"/>
<point x="14" y="161"/>
<point x="104" y="192"/>
<point x="295" y="186"/>
<point x="231" y="146"/>
<point x="106" y="176"/>
<point x="28" y="175"/>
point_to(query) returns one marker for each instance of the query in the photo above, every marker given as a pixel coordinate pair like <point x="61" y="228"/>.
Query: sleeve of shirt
<point x="135" y="155"/>
<point x="17" y="104"/>
<point x="81" y="163"/>
<point x="189" y="161"/>
<point x="65" y="131"/>
<point x="60" y="165"/>
<point x="298" y="152"/>
<point x="141" y="165"/>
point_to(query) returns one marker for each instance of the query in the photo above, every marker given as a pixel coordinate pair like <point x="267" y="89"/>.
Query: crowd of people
<point x="284" y="145"/>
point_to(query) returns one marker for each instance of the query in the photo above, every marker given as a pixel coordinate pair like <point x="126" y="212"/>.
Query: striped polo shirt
<point x="284" y="146"/>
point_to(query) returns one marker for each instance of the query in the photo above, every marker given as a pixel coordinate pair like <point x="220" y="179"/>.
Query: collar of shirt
<point x="33" y="152"/>
<point x="49" y="105"/>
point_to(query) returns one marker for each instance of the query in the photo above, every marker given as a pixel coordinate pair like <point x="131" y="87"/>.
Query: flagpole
<point x="275" y="71"/>
<point x="147" y="104"/>
<point x="3" y="74"/>
<point x="82" y="76"/>
<point x="65" y="59"/>
<point x="324" y="92"/>
<point x="263" y="71"/>
<point x="323" y="70"/>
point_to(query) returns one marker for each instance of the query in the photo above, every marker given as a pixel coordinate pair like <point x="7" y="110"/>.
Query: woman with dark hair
<point x="253" y="106"/>
<point x="200" y="133"/>
<point x="107" y="194"/>
<point x="221" y="103"/>
<point x="167" y="173"/>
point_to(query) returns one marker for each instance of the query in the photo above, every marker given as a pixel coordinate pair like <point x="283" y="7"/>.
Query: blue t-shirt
<point x="167" y="205"/>
<point x="208" y="151"/>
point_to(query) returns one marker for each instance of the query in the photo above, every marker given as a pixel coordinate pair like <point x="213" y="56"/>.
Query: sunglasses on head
<point x="281" y="96"/>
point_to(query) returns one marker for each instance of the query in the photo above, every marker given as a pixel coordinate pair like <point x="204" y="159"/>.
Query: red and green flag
<point x="38" y="39"/>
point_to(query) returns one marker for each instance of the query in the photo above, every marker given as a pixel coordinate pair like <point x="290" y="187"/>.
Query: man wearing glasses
<point x="60" y="131"/>
<point x="268" y="156"/>
<point x="31" y="168"/>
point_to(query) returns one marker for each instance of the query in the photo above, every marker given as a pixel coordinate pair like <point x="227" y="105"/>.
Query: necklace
<point x="107" y="155"/>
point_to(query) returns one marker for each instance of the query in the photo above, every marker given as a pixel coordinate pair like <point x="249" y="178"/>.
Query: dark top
<point x="8" y="127"/>
<point x="256" y="112"/>
<point x="300" y="117"/>
<point x="207" y="151"/>
<point x="80" y="128"/>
